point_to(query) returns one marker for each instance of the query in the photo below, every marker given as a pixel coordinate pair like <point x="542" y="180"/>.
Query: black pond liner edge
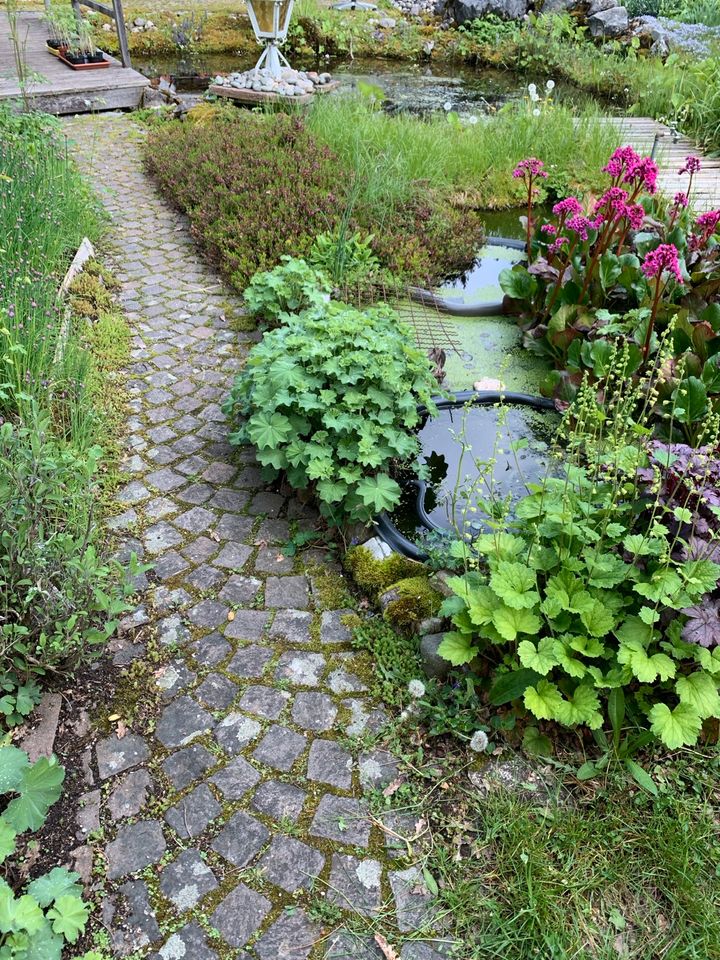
<point x="482" y="398"/>
<point x="431" y="299"/>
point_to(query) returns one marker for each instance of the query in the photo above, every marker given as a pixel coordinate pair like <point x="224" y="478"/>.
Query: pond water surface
<point x="509" y="448"/>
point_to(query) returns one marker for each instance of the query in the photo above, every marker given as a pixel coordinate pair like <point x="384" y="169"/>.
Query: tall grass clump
<point x="58" y="597"/>
<point x="394" y="154"/>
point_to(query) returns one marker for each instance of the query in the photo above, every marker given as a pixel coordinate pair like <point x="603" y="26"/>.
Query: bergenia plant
<point x="622" y="266"/>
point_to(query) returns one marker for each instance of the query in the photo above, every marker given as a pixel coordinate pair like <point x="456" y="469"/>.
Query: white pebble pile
<point x="290" y="83"/>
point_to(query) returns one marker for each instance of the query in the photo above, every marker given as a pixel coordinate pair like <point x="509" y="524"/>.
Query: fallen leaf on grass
<point x="231" y="615"/>
<point x="387" y="951"/>
<point x="393" y="787"/>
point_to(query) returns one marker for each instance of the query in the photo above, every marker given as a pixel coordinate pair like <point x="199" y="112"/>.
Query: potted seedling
<point x="62" y="28"/>
<point x="83" y="54"/>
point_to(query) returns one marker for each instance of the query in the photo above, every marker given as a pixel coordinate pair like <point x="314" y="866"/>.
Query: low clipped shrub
<point x="330" y="399"/>
<point x="257" y="187"/>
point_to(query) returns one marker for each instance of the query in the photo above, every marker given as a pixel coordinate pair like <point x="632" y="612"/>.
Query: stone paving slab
<point x="226" y="827"/>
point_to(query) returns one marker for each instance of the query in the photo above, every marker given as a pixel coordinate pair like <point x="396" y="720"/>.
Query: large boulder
<point x="464" y="10"/>
<point x="609" y="23"/>
<point x="597" y="6"/>
<point x="558" y="6"/>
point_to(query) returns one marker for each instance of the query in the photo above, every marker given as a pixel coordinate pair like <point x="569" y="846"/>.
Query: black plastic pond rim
<point x="431" y="299"/>
<point x="482" y="398"/>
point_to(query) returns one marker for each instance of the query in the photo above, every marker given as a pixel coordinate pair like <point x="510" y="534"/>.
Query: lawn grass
<point x="606" y="872"/>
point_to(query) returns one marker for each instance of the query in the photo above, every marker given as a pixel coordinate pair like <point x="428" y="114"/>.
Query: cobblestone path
<point x="236" y="827"/>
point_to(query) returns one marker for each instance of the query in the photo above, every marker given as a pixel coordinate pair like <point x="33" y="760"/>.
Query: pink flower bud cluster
<point x="692" y="165"/>
<point x="531" y="167"/>
<point x="663" y="259"/>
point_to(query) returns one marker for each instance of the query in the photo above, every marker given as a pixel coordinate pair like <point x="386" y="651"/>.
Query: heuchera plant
<point x="622" y="269"/>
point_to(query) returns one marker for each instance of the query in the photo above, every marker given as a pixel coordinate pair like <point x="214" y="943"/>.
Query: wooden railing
<point x="115" y="12"/>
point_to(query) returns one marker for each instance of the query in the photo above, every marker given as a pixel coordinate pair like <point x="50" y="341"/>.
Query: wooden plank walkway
<point x="58" y="89"/>
<point x="640" y="132"/>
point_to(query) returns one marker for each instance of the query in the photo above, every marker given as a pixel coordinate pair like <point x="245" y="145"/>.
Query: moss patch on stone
<point x="413" y="599"/>
<point x="374" y="576"/>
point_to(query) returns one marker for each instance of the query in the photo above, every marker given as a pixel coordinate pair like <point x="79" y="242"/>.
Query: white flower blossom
<point x="534" y="97"/>
<point x="536" y="112"/>
<point x="550" y="85"/>
<point x="479" y="741"/>
<point x="473" y="119"/>
<point x="532" y="88"/>
<point x="416" y="689"/>
<point x="447" y="106"/>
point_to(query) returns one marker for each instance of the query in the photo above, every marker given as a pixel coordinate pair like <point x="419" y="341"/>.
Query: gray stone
<point x="400" y="825"/>
<point x="186" y="880"/>
<point x="201" y="550"/>
<point x="241" y="839"/>
<point x="235" y="779"/>
<point x="170" y="565"/>
<point x="236" y="731"/>
<point x="195" y="520"/>
<point x="209" y="613"/>
<point x="172" y="678"/>
<point x="248" y="625"/>
<point x="342" y="681"/>
<point x="363" y="717"/>
<point x="165" y="480"/>
<point x="166" y="601"/>
<point x="280" y="748"/>
<point x="182" y="721"/>
<point x="233" y="556"/>
<point x="250" y="661"/>
<point x="188" y="764"/>
<point x="115" y="754"/>
<point x="129" y="795"/>
<point x="270" y="560"/>
<point x="267" y="504"/>
<point x="314" y="711"/>
<point x="234" y="528"/>
<point x="188" y="943"/>
<point x="286" y="592"/>
<point x="88" y="815"/>
<point x="355" y="884"/>
<point x="205" y="577"/>
<point x="193" y="813"/>
<point x="172" y="630"/>
<point x="211" y="649"/>
<point x="134" y="848"/>
<point x="609" y="23"/>
<point x="342" y="819"/>
<point x="139" y="927"/>
<point x="464" y="10"/>
<point x="291" y="937"/>
<point x="597" y="6"/>
<point x="240" y="589"/>
<point x="160" y="537"/>
<point x="413" y="901"/>
<point x="239" y="915"/>
<point x="329" y="763"/>
<point x="293" y="625"/>
<point x="426" y="950"/>
<point x="281" y="801"/>
<point x="216" y="692"/>
<point x="342" y="945"/>
<point x="303" y="669"/>
<point x="332" y="629"/>
<point x="378" y="768"/>
<point x="291" y="865"/>
<point x="264" y="701"/>
<point x="433" y="664"/>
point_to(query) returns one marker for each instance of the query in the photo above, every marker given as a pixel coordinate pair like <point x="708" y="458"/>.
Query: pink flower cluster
<point x="627" y="166"/>
<point x="580" y="225"/>
<point x="680" y="199"/>
<point x="661" y="259"/>
<point x="692" y="165"/>
<point x="570" y="206"/>
<point x="620" y="162"/>
<point x="708" y="222"/>
<point x="531" y="167"/>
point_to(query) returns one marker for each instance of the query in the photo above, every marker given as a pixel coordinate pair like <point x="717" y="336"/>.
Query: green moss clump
<point x="394" y="657"/>
<point x="416" y="600"/>
<point x="376" y="576"/>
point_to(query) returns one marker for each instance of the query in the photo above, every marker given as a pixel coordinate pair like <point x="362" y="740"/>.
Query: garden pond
<point x="477" y="447"/>
<point x="415" y="87"/>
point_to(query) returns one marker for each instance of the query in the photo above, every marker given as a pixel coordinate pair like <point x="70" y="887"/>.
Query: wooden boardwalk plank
<point x="58" y="89"/>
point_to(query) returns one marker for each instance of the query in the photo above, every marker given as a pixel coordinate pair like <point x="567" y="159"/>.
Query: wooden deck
<point x="58" y="89"/>
<point x="670" y="154"/>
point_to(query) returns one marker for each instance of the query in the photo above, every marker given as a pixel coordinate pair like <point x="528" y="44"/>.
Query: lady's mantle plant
<point x="36" y="923"/>
<point x="621" y="269"/>
<point x="590" y="597"/>
<point x="330" y="399"/>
